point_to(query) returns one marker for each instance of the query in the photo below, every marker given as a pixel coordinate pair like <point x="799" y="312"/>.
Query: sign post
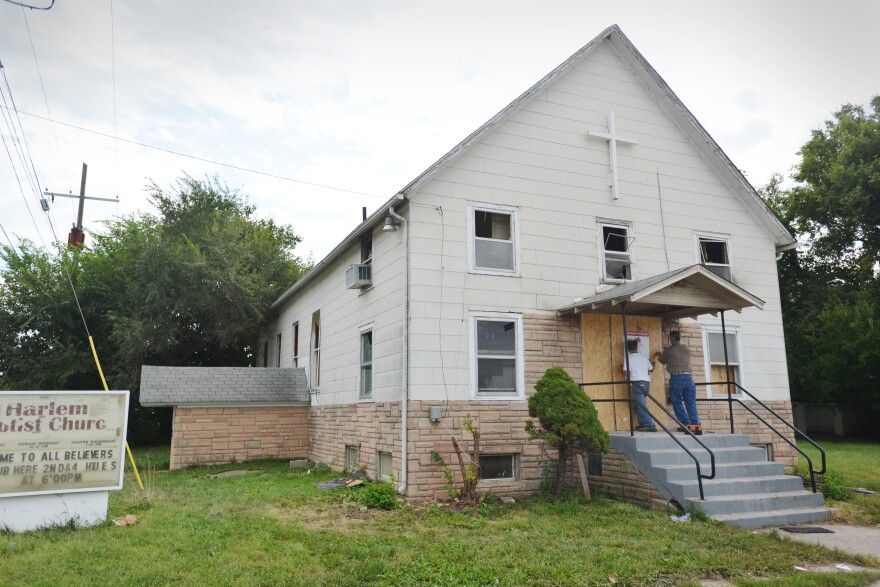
<point x="61" y="452"/>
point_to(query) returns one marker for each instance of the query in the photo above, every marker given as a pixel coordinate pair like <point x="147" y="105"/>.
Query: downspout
<point x="404" y="399"/>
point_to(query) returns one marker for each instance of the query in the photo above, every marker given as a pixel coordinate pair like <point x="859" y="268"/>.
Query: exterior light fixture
<point x="390" y="225"/>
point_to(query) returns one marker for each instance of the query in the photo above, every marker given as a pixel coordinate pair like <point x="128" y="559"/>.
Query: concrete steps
<point x="747" y="490"/>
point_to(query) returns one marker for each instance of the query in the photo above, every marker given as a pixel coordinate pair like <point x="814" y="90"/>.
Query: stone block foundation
<point x="217" y="435"/>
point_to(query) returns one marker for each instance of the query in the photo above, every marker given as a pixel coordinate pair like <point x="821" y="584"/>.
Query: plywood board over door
<point x="603" y="355"/>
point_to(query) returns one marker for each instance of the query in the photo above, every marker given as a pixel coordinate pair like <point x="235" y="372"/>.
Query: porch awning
<point x="687" y="292"/>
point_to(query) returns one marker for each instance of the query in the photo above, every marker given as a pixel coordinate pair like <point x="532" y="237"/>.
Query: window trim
<point x="600" y="244"/>
<point x="707" y="361"/>
<point x="295" y="341"/>
<point x="278" y="350"/>
<point x="715" y="236"/>
<point x="513" y="477"/>
<point x="474" y="207"/>
<point x="366" y="328"/>
<point x="518" y="354"/>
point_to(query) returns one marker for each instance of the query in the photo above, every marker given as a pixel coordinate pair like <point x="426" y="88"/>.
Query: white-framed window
<point x="497" y="355"/>
<point x="352" y="458"/>
<point x="713" y="345"/>
<point x="493" y="239"/>
<point x="713" y="252"/>
<point x="316" y="350"/>
<point x="295" y="345"/>
<point x="497" y="467"/>
<point x="386" y="470"/>
<point x="616" y="259"/>
<point x="278" y="350"/>
<point x="366" y="363"/>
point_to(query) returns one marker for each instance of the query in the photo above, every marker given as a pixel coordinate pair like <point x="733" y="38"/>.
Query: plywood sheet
<point x="603" y="355"/>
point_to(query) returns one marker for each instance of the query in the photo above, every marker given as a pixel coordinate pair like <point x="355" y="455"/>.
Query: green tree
<point x="568" y="421"/>
<point x="830" y="287"/>
<point x="188" y="286"/>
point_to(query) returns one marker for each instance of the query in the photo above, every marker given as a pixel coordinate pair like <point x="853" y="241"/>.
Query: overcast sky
<point x="363" y="96"/>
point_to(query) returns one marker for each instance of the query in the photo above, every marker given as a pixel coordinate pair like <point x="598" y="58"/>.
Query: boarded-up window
<point x="716" y="361"/>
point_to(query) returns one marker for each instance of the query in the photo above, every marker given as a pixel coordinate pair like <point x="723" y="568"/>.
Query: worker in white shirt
<point x="640" y="384"/>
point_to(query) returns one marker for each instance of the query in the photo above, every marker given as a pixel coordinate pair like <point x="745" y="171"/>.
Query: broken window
<point x="494" y="236"/>
<point x="616" y="255"/>
<point x="714" y="256"/>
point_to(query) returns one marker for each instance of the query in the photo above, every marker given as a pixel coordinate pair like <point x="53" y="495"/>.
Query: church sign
<point x="61" y="441"/>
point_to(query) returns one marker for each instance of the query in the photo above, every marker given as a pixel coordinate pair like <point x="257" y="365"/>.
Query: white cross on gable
<point x="613" y="138"/>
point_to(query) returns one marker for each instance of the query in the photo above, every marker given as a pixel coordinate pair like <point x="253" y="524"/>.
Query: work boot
<point x="695" y="429"/>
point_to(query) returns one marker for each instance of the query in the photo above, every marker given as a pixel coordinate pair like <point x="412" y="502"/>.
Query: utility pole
<point x="77" y="238"/>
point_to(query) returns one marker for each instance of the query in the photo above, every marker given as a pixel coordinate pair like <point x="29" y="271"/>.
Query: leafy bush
<point x="379" y="494"/>
<point x="568" y="421"/>
<point x="831" y="486"/>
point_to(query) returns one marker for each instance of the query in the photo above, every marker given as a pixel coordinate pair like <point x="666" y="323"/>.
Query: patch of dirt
<point x="330" y="518"/>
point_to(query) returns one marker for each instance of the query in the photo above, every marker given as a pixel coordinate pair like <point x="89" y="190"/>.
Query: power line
<point x="51" y="4"/>
<point x="246" y="169"/>
<point x="23" y="134"/>
<point x="46" y="99"/>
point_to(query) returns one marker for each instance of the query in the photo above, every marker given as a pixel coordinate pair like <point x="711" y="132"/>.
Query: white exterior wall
<point x="542" y="161"/>
<point x="344" y="312"/>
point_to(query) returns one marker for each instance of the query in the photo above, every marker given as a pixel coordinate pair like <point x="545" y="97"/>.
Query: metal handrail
<point x="813" y="471"/>
<point x="631" y="401"/>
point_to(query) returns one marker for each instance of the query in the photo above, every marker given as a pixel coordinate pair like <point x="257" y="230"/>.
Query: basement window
<point x="497" y="467"/>
<point x="352" y="456"/>
<point x="386" y="472"/>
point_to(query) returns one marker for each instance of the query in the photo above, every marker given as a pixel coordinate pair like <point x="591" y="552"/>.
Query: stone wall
<point x="216" y="435"/>
<point x="621" y="480"/>
<point x="373" y="427"/>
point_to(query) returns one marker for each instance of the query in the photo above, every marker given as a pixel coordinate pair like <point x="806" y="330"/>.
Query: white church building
<point x="593" y="198"/>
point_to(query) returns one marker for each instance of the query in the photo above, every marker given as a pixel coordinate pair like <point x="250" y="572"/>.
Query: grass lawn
<point x="273" y="527"/>
<point x="857" y="465"/>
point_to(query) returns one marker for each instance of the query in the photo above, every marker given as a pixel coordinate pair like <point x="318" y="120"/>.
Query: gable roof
<point x="683" y="119"/>
<point x="686" y="292"/>
<point x="193" y="386"/>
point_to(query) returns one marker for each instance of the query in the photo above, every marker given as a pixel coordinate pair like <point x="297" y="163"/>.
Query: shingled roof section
<point x="189" y="386"/>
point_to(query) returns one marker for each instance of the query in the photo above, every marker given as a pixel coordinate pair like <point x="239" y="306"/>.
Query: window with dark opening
<point x="494" y="240"/>
<point x="367" y="250"/>
<point x="278" y="350"/>
<point x="714" y="256"/>
<point x="616" y="255"/>
<point x="497" y="466"/>
<point x="295" y="345"/>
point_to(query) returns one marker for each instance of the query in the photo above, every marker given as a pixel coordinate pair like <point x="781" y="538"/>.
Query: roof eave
<point x="703" y="141"/>
<point x="353" y="237"/>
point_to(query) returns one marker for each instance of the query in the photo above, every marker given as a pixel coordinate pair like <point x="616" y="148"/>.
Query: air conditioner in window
<point x="359" y="276"/>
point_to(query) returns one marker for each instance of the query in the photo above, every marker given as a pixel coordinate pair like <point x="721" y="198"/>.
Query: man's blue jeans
<point x="639" y="391"/>
<point x="683" y="394"/>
